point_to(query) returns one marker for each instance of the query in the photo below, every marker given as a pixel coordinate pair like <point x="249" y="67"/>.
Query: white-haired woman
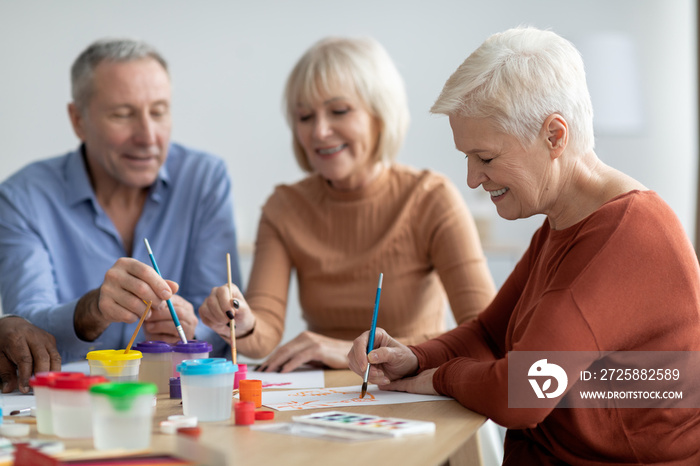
<point x="356" y="215"/>
<point x="610" y="270"/>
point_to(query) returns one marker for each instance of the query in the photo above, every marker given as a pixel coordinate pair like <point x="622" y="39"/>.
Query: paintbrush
<point x="138" y="327"/>
<point x="229" y="314"/>
<point x="370" y="343"/>
<point x="173" y="314"/>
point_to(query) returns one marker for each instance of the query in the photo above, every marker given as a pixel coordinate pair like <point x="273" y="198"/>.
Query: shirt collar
<point x="79" y="189"/>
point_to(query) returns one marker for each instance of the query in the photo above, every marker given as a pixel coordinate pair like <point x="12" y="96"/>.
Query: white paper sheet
<point x="16" y="401"/>
<point x="287" y="400"/>
<point x="76" y="366"/>
<point x="296" y="379"/>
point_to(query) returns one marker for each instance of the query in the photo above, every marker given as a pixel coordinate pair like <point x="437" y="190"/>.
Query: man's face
<point x="126" y="124"/>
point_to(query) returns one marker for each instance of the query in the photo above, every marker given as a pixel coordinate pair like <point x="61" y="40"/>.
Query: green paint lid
<point x="122" y="394"/>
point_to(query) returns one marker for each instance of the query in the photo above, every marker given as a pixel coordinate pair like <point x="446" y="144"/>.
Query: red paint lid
<point x="264" y="415"/>
<point x="43" y="379"/>
<point x="76" y="383"/>
<point x="190" y="431"/>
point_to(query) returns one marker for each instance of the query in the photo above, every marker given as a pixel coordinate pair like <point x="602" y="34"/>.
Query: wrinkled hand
<point x="24" y="349"/>
<point x="421" y="383"/>
<point x="160" y="326"/>
<point x="308" y="347"/>
<point x="213" y="312"/>
<point x="390" y="359"/>
<point x="127" y="284"/>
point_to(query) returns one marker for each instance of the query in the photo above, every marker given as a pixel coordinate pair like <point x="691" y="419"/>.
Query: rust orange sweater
<point x="626" y="278"/>
<point x="411" y="225"/>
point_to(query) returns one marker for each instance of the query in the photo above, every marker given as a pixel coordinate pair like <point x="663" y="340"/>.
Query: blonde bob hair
<point x="518" y="78"/>
<point x="359" y="64"/>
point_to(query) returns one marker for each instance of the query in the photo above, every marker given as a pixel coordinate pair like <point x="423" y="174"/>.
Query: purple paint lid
<point x="193" y="346"/>
<point x="153" y="346"/>
<point x="175" y="389"/>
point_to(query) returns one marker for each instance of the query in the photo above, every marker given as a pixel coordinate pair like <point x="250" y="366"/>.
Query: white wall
<point x="229" y="60"/>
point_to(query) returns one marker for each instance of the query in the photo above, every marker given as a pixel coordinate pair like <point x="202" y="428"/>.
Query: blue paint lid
<point x="206" y="366"/>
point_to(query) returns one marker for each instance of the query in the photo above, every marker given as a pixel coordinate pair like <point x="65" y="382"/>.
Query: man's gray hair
<point x="114" y="50"/>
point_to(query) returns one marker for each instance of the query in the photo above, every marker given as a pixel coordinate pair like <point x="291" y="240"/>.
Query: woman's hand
<point x="308" y="347"/>
<point x="213" y="312"/>
<point x="421" y="383"/>
<point x="390" y="359"/>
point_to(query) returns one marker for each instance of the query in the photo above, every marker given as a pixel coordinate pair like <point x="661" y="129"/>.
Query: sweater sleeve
<point x="472" y="359"/>
<point x="267" y="291"/>
<point x="480" y="381"/>
<point x="455" y="250"/>
<point x="481" y="338"/>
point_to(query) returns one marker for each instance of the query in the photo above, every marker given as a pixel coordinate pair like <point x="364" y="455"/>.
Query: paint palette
<point x="388" y="426"/>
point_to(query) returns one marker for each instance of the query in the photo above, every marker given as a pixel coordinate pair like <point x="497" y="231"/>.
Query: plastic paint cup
<point x="70" y="405"/>
<point x="40" y="383"/>
<point x="122" y="415"/>
<point x="245" y="413"/>
<point x="241" y="374"/>
<point x="207" y="388"/>
<point x="156" y="365"/>
<point x="175" y="389"/>
<point x="116" y="365"/>
<point x="251" y="390"/>
<point x="193" y="349"/>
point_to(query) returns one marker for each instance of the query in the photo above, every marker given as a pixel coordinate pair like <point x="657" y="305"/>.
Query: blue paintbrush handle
<point x="173" y="314"/>
<point x="370" y="344"/>
<point x="170" y="304"/>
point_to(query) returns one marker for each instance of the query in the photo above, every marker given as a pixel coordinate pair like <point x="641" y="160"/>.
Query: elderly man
<point x="72" y="254"/>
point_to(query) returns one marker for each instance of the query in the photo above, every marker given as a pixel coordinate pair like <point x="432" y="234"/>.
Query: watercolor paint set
<point x="388" y="426"/>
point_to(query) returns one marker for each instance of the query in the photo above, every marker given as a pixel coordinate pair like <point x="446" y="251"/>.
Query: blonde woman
<point x="356" y="214"/>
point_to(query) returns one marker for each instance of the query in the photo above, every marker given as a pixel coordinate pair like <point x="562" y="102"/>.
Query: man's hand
<point x="24" y="349"/>
<point x="160" y="326"/>
<point x="127" y="284"/>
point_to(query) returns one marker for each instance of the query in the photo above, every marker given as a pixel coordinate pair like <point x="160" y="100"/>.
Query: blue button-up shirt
<point x="57" y="243"/>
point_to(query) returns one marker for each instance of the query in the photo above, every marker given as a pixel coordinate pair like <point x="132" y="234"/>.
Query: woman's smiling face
<point x="339" y="135"/>
<point x="516" y="177"/>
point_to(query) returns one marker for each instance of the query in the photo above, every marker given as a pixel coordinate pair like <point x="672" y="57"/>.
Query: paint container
<point x="122" y="415"/>
<point x="251" y="390"/>
<point x="116" y="365"/>
<point x="70" y="405"/>
<point x="156" y="365"/>
<point x="241" y="374"/>
<point x="175" y="389"/>
<point x="40" y="383"/>
<point x="207" y="388"/>
<point x="245" y="413"/>
<point x="193" y="349"/>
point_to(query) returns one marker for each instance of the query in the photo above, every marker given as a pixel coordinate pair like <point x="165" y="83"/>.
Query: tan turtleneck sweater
<point x="411" y="225"/>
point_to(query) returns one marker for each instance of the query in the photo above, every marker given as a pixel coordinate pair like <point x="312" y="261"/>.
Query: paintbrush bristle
<point x="364" y="390"/>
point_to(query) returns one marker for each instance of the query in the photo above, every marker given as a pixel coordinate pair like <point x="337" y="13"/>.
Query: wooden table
<point x="224" y="443"/>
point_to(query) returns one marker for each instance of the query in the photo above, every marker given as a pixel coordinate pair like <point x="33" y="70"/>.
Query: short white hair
<point x="518" y="78"/>
<point x="365" y="67"/>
